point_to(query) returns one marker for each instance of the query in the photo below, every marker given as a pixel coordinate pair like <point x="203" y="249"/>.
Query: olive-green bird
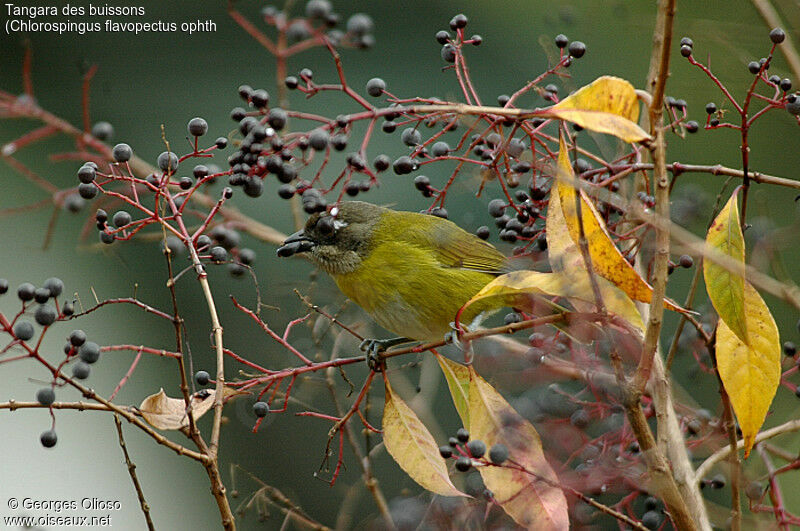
<point x="411" y="272"/>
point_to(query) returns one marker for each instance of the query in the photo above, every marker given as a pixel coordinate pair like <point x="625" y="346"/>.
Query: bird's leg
<point x="374" y="347"/>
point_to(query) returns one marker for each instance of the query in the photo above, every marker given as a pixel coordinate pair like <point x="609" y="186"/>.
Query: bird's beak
<point x="294" y="244"/>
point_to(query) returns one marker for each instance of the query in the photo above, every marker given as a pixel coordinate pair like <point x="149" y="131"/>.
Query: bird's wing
<point x="455" y="247"/>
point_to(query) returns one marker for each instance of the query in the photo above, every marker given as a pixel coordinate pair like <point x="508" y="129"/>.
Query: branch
<point x="703" y="470"/>
<point x="132" y="471"/>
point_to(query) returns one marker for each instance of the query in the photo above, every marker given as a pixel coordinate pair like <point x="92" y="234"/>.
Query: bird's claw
<point x="373" y="348"/>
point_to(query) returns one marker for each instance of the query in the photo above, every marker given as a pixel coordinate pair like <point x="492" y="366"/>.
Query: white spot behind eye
<point x="339" y="224"/>
<point x="334" y="211"/>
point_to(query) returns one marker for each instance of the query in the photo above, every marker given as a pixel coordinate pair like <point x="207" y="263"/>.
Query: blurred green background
<point x="148" y="80"/>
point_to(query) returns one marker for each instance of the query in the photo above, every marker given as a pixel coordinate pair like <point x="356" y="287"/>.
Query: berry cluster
<point x="468" y="453"/>
<point x="78" y="350"/>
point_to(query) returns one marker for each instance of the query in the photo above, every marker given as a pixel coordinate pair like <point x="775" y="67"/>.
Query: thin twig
<point x="132" y="471"/>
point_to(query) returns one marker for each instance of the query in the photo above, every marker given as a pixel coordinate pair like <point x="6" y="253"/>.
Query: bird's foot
<point x="374" y="349"/>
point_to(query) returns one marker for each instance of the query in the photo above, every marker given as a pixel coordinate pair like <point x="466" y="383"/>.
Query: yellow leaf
<point x="750" y="371"/>
<point x="607" y="260"/>
<point x="524" y="290"/>
<point x="457" y="377"/>
<point x="528" y="492"/>
<point x="726" y="288"/>
<point x="413" y="448"/>
<point x="607" y="105"/>
<point x="165" y="413"/>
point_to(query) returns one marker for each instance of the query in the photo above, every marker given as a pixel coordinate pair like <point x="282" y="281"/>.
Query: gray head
<point x="337" y="241"/>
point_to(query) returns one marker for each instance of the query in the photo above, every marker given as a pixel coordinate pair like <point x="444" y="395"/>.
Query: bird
<point x="411" y="272"/>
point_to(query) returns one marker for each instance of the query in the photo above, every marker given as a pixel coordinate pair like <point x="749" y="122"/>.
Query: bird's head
<point x="339" y="240"/>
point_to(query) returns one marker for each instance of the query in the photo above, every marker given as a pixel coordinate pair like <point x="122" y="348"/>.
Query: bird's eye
<point x="325" y="226"/>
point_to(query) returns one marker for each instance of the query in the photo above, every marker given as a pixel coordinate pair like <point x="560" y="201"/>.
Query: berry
<point x="89" y="352"/>
<point x="411" y="137"/>
<point x="41" y="295"/>
<point x="77" y="338"/>
<point x="197" y="126"/>
<point x="686" y="261"/>
<point x="356" y="161"/>
<point x="122" y="152"/>
<point x="442" y="37"/>
<point x="360" y="24"/>
<point x="388" y="127"/>
<point x="185" y="183"/>
<point x="238" y="114"/>
<point x="686" y="41"/>
<point x="87" y="190"/>
<point x="254" y="186"/>
<point x="576" y="49"/>
<point x="476" y="448"/>
<point x="45" y="396"/>
<point x="446" y="451"/>
<point x="48" y="438"/>
<point x="201" y="378"/>
<point x="73" y="203"/>
<point x="23" y="330"/>
<point x="561" y="41"/>
<point x="440" y="149"/>
<point x="448" y="53"/>
<point x="483" y="232"/>
<point x="318" y="9"/>
<point x="260" y="98"/>
<point x="168" y="161"/>
<point x="218" y="254"/>
<point x="86" y="174"/>
<point x="45" y="315"/>
<point x="651" y="520"/>
<point x="713" y="122"/>
<point x="339" y="142"/>
<point x="789" y="348"/>
<point x="103" y="131"/>
<point x="462" y="435"/>
<point x="497" y="208"/>
<point x="404" y="165"/>
<point x="777" y="35"/>
<point x="81" y="370"/>
<point x="245" y="91"/>
<point x="375" y="87"/>
<point x="381" y="163"/>
<point x="3" y="286"/>
<point x="754" y="67"/>
<point x="692" y="126"/>
<point x="121" y="218"/>
<point x="579" y="419"/>
<point x="463" y="464"/>
<point x="352" y="189"/>
<point x="291" y="82"/>
<point x="793" y="104"/>
<point x="422" y="183"/>
<point x="277" y="118"/>
<point x="54" y="285"/>
<point x="286" y="191"/>
<point x="686" y="51"/>
<point x="260" y="409"/>
<point x="106" y="238"/>
<point x="439" y="212"/>
<point x="718" y="481"/>
<point x="221" y="142"/>
<point x="711" y="107"/>
<point x="498" y="453"/>
<point x="458" y="22"/>
<point x="247" y="256"/>
<point x="754" y="490"/>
